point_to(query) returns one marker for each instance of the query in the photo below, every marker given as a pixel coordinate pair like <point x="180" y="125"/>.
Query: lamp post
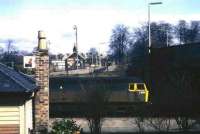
<point x="149" y="23"/>
<point x="149" y="34"/>
<point x="76" y="45"/>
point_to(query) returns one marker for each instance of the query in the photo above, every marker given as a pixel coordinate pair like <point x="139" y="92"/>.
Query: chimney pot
<point x="41" y="34"/>
<point x="42" y="45"/>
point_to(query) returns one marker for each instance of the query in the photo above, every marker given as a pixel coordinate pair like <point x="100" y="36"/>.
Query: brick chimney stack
<point x="41" y="113"/>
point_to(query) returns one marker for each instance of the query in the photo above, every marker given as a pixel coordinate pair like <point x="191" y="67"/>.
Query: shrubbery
<point x="65" y="127"/>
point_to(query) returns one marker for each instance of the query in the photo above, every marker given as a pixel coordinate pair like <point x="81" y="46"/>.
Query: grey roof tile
<point x="12" y="81"/>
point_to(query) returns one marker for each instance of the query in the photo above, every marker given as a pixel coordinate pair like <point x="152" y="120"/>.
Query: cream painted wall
<point x="28" y="115"/>
<point x="21" y="115"/>
<point x="21" y="119"/>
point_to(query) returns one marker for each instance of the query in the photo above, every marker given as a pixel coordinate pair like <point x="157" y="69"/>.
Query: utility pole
<point x="76" y="45"/>
<point x="167" y="37"/>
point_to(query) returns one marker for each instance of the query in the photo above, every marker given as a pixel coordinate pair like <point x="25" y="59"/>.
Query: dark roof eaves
<point x="30" y="89"/>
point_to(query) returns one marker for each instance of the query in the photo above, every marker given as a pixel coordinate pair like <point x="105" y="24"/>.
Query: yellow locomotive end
<point x="139" y="88"/>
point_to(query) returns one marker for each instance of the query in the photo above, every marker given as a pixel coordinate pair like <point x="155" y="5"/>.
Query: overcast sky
<point x="21" y="19"/>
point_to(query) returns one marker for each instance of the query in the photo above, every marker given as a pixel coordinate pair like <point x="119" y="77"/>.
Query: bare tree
<point x="10" y="53"/>
<point x="161" y="34"/>
<point x="140" y="123"/>
<point x="181" y="31"/>
<point x="10" y="48"/>
<point x="1" y="53"/>
<point x="194" y="32"/>
<point x="187" y="32"/>
<point x="159" y="124"/>
<point x="95" y="99"/>
<point x="184" y="123"/>
<point x="92" y="56"/>
<point x="119" y="43"/>
<point x="60" y="56"/>
<point x="1" y="50"/>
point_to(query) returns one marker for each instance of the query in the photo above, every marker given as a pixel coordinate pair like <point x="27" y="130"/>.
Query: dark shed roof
<point x="12" y="81"/>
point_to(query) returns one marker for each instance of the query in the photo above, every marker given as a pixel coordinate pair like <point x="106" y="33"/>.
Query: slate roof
<point x="12" y="81"/>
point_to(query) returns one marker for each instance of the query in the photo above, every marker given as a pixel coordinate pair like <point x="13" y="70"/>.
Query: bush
<point x="65" y="127"/>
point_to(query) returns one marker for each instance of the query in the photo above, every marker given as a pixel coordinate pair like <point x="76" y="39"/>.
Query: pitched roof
<point x="74" y="55"/>
<point x="12" y="81"/>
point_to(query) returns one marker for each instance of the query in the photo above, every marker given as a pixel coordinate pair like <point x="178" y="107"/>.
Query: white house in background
<point x="58" y="65"/>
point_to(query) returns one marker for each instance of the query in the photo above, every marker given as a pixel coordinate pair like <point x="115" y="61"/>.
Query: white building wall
<point x="59" y="64"/>
<point x="22" y="119"/>
<point x="28" y="115"/>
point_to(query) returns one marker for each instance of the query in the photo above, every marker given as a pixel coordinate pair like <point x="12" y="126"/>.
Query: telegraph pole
<point x="76" y="45"/>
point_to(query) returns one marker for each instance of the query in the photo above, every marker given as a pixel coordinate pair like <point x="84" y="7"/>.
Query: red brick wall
<point x="42" y="95"/>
